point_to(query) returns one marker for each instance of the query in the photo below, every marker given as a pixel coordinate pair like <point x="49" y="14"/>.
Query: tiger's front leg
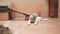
<point x="29" y="22"/>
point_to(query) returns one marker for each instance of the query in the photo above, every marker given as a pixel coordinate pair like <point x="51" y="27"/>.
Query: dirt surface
<point x="52" y="26"/>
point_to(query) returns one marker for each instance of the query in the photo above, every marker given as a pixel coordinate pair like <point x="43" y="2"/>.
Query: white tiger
<point x="35" y="18"/>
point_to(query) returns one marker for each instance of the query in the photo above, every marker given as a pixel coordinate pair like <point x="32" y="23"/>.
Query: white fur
<point x="31" y="16"/>
<point x="38" y="19"/>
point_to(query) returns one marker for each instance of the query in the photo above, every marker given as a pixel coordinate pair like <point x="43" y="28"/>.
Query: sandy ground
<point x="52" y="26"/>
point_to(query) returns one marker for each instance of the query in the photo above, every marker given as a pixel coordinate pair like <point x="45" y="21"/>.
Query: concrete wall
<point x="5" y="2"/>
<point x="31" y="6"/>
<point x="4" y="16"/>
<point x="28" y="6"/>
